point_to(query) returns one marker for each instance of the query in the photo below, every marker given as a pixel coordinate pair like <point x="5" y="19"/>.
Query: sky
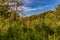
<point x="31" y="7"/>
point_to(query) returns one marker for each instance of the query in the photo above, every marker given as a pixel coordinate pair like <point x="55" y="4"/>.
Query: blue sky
<point x="31" y="7"/>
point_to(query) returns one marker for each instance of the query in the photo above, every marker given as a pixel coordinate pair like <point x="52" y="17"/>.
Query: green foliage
<point x="58" y="8"/>
<point x="45" y="26"/>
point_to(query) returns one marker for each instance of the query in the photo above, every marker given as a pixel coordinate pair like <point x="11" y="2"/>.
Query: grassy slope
<point x="45" y="26"/>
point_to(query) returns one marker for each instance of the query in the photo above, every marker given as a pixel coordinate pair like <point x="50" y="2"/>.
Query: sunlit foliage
<point x="45" y="26"/>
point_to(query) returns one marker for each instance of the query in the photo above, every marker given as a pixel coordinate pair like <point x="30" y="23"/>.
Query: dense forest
<point x="43" y="26"/>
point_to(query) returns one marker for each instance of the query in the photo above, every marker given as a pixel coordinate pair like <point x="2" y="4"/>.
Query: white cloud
<point x="33" y="9"/>
<point x="32" y="2"/>
<point x="26" y="1"/>
<point x="28" y="8"/>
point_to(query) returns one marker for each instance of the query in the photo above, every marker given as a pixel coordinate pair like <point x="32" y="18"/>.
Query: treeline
<point x="45" y="26"/>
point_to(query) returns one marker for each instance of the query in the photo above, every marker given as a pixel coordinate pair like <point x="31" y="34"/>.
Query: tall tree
<point x="14" y="4"/>
<point x="58" y="8"/>
<point x="6" y="7"/>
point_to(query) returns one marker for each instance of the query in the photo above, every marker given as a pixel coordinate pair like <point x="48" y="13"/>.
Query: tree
<point x="15" y="4"/>
<point x="6" y="8"/>
<point x="58" y="8"/>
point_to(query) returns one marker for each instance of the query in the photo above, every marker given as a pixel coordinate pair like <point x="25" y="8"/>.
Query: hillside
<point x="44" y="26"/>
<point x="46" y="17"/>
